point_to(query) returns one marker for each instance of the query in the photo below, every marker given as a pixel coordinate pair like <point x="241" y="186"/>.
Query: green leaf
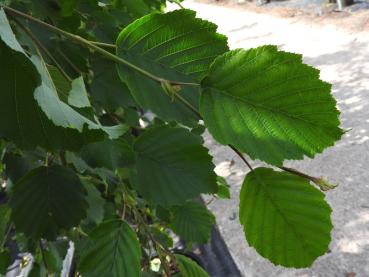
<point x="62" y="85"/>
<point x="172" y="170"/>
<point x="4" y="219"/>
<point x="106" y="88"/>
<point x="16" y="166"/>
<point x="175" y="46"/>
<point x="192" y="222"/>
<point x="112" y="250"/>
<point x="78" y="163"/>
<point x="103" y="26"/>
<point x="223" y="188"/>
<point x="5" y="261"/>
<point x="24" y="122"/>
<point x="60" y="113"/>
<point x="189" y="268"/>
<point x="162" y="236"/>
<point x="68" y="6"/>
<point x="46" y="199"/>
<point x="285" y="218"/>
<point x="95" y="211"/>
<point x="51" y="261"/>
<point x="111" y="154"/>
<point x="55" y="254"/>
<point x="269" y="105"/>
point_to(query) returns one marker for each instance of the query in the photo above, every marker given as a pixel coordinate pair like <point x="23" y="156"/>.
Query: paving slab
<point x="343" y="58"/>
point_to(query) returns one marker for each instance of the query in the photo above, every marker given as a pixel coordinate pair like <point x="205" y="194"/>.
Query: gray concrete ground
<point x="344" y="61"/>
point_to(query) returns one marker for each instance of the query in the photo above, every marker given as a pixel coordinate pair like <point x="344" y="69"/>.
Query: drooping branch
<point x="94" y="46"/>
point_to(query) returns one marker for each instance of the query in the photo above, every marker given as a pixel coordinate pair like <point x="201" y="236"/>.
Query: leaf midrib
<point x="147" y="60"/>
<point x="291" y="225"/>
<point x="255" y="105"/>
<point x="115" y="247"/>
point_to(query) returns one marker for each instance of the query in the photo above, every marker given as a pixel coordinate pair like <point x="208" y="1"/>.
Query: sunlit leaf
<point x="174" y="49"/>
<point x="269" y="105"/>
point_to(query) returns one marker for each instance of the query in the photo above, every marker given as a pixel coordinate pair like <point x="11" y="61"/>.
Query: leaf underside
<point x="33" y="113"/>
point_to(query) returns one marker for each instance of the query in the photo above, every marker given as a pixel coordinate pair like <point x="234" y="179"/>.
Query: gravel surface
<point x="343" y="59"/>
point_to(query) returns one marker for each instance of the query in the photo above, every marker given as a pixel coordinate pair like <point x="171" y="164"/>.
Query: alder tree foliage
<point x="103" y="109"/>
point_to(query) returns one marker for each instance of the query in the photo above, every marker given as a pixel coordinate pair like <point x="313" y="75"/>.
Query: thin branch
<point x="94" y="47"/>
<point x="39" y="45"/>
<point x="210" y="201"/>
<point x="178" y="3"/>
<point x="189" y="105"/>
<point x="320" y="182"/>
<point x="6" y="235"/>
<point x="298" y="173"/>
<point x="160" y="249"/>
<point x="102" y="44"/>
<point x="241" y="156"/>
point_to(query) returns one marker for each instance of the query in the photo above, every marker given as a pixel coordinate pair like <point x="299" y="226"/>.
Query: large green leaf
<point x="112" y="250"/>
<point x="47" y="199"/>
<point x="188" y="267"/>
<point x="172" y="166"/>
<point x="268" y="104"/>
<point x="285" y="218"/>
<point x="23" y="120"/>
<point x="192" y="222"/>
<point x="176" y="46"/>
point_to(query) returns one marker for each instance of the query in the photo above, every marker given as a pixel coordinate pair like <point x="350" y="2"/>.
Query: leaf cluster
<point x="104" y="106"/>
